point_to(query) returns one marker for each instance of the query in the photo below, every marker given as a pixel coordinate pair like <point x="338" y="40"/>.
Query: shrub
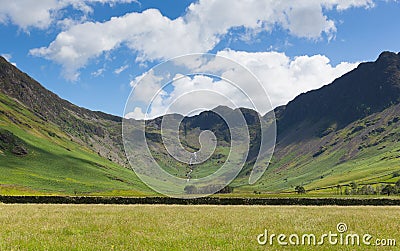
<point x="353" y="186"/>
<point x="357" y="129"/>
<point x="227" y="189"/>
<point x="300" y="189"/>
<point x="191" y="189"/>
<point x="389" y="189"/>
<point x="321" y="150"/>
<point x="367" y="190"/>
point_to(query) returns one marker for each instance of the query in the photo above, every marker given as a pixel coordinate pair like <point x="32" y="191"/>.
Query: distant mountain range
<point x="344" y="132"/>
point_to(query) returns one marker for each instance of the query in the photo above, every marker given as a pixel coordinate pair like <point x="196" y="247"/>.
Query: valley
<point x="328" y="139"/>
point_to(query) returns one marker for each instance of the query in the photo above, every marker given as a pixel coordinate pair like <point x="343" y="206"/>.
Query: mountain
<point x="48" y="145"/>
<point x="344" y="132"/>
<point x="347" y="131"/>
<point x="370" y="88"/>
<point x="96" y="130"/>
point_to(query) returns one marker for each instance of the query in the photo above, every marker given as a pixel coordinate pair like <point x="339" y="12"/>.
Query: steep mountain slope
<point x="371" y="87"/>
<point x="96" y="130"/>
<point x="366" y="151"/>
<point x="43" y="148"/>
<point x="190" y="130"/>
<point x="346" y="131"/>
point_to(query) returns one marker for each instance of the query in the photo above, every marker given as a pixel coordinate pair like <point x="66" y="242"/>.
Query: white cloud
<point x="42" y="13"/>
<point x="121" y="69"/>
<point x="25" y="13"/>
<point x="190" y="95"/>
<point x="205" y="22"/>
<point x="144" y="87"/>
<point x="99" y="72"/>
<point x="282" y="77"/>
<point x="136" y="114"/>
<point x="343" y="5"/>
<point x="285" y="78"/>
<point x="308" y="21"/>
<point x="154" y="35"/>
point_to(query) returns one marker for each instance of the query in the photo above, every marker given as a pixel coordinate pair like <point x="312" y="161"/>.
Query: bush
<point x="321" y="150"/>
<point x="197" y="201"/>
<point x="353" y="186"/>
<point x="389" y="189"/>
<point x="191" y="189"/>
<point x="227" y="189"/>
<point x="366" y="190"/>
<point x="300" y="189"/>
<point x="357" y="129"/>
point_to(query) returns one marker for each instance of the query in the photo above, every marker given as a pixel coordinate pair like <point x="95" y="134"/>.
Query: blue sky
<point x="91" y="52"/>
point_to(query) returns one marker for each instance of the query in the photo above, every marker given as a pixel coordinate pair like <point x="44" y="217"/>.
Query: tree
<point x="339" y="189"/>
<point x="300" y="189"/>
<point x="388" y="189"/>
<point x="227" y="189"/>
<point x="353" y="186"/>
<point x="398" y="184"/>
<point x="367" y="189"/>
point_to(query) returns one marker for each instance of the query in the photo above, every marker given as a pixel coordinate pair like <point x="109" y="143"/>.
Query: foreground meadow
<point x="162" y="227"/>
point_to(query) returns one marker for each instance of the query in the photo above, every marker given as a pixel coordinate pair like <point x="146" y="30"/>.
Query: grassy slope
<point x="365" y="156"/>
<point x="58" y="165"/>
<point x="370" y="155"/>
<point x="55" y="164"/>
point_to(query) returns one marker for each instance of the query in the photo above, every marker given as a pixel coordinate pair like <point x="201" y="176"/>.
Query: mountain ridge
<point x="340" y="101"/>
<point x="321" y="133"/>
<point x="83" y="125"/>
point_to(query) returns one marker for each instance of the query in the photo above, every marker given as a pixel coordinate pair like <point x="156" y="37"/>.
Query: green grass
<point x="373" y="164"/>
<point x="56" y="164"/>
<point x="160" y="227"/>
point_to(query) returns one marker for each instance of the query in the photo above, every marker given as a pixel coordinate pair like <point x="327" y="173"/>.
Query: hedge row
<point x="199" y="201"/>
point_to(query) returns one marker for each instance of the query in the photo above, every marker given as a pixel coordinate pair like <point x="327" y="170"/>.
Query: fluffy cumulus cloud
<point x="205" y="22"/>
<point x="190" y="95"/>
<point x="283" y="78"/>
<point x="149" y="32"/>
<point x="41" y="14"/>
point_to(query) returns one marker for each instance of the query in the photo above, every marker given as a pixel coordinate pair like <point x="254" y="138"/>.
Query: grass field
<point x="160" y="227"/>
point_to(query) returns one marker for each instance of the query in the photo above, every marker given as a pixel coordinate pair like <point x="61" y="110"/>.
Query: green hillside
<point x="36" y="157"/>
<point x="366" y="152"/>
<point x="343" y="136"/>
